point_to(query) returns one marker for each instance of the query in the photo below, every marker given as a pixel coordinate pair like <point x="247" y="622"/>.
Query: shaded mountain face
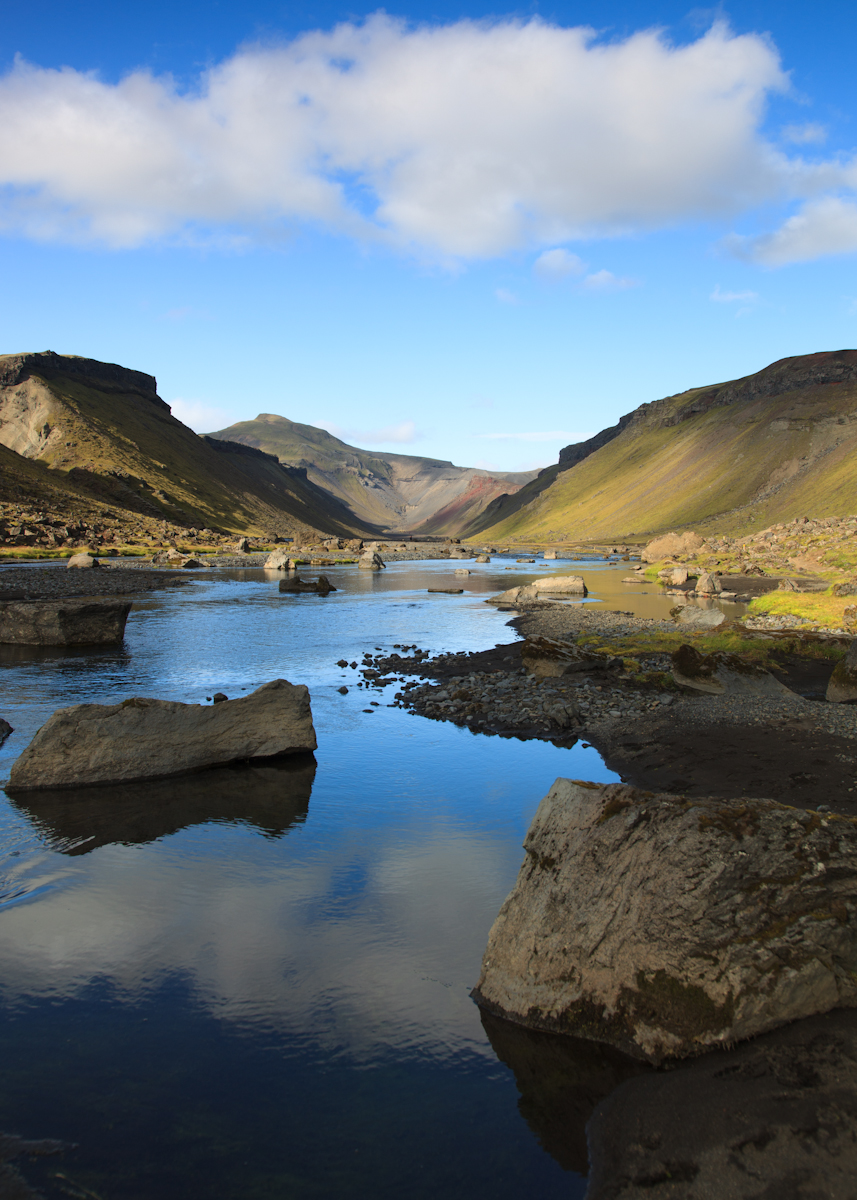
<point x="735" y="456"/>
<point x="103" y="431"/>
<point x="397" y="492"/>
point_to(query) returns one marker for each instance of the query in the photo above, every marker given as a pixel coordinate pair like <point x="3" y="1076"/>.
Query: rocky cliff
<point x="737" y="455"/>
<point x="103" y="432"/>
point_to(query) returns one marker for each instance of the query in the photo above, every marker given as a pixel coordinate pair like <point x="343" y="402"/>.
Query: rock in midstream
<point x="667" y="926"/>
<point x="63" y="622"/>
<point x="147" y="739"/>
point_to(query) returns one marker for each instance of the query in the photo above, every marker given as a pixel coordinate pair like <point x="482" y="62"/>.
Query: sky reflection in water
<point x="259" y="980"/>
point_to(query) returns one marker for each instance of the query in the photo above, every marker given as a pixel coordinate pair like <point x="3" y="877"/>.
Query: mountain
<point x="736" y="456"/>
<point x="105" y="433"/>
<point x="398" y="492"/>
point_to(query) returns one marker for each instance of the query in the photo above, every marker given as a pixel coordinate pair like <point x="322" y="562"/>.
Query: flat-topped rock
<point x="667" y="926"/>
<point x="143" y="738"/>
<point x="63" y="622"/>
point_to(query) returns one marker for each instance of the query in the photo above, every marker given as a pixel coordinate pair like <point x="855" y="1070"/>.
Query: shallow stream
<point x="255" y="983"/>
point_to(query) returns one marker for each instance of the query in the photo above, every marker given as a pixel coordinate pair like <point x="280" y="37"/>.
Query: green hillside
<point x="105" y="429"/>
<point x="736" y="456"/>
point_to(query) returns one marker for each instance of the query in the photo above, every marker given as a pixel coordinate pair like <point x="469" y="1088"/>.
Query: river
<point x="254" y="984"/>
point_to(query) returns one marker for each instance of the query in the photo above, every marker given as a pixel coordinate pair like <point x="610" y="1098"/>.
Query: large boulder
<point x="666" y="926"/>
<point x="516" y="597"/>
<point x="277" y="560"/>
<point x="842" y="685"/>
<point x="547" y="657"/>
<point x="674" y="576"/>
<point x="370" y="560"/>
<point x="562" y="585"/>
<point x="82" y="561"/>
<point x="63" y="622"/>
<point x="550" y="554"/>
<point x="242" y="546"/>
<point x="143" y="738"/>
<point x="672" y="545"/>
<point x="720" y="674"/>
<point x="698" y="618"/>
<point x="708" y="584"/>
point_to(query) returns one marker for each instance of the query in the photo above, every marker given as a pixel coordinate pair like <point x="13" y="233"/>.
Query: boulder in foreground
<point x="63" y="622"/>
<point x="82" y="561"/>
<point x="148" y="739"/>
<point x="667" y="926"/>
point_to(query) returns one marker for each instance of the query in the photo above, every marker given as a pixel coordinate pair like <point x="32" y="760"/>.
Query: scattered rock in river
<point x="82" y="561"/>
<point x="278" y="560"/>
<point x="371" y="561"/>
<point x="5" y="730"/>
<point x="63" y="622"/>
<point x="143" y="738"/>
<point x="667" y="926"/>
<point x="319" y="587"/>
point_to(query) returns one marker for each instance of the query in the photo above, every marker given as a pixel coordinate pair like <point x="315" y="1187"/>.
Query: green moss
<point x="684" y="1008"/>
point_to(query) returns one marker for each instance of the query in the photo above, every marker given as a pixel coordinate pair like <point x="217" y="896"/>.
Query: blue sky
<point x="459" y="231"/>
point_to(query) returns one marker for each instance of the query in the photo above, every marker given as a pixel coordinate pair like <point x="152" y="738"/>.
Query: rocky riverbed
<point x="789" y="745"/>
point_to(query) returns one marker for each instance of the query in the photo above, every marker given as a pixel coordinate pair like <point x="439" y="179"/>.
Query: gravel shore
<point x="58" y="583"/>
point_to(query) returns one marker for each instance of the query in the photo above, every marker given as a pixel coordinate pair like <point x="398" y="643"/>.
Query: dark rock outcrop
<point x="63" y="622"/>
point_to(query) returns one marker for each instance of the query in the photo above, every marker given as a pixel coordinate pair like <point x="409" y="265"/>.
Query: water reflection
<point x="271" y="798"/>
<point x="561" y="1080"/>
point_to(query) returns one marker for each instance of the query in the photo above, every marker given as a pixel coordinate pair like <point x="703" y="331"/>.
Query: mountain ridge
<point x="104" y="428"/>
<point x="402" y="493"/>
<point x="779" y="441"/>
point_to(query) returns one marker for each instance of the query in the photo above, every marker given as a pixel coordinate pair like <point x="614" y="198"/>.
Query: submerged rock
<point x="63" y="622"/>
<point x="773" y="1118"/>
<point x="666" y="926"/>
<point x="319" y="587"/>
<point x="144" y="738"/>
<point x="5" y="730"/>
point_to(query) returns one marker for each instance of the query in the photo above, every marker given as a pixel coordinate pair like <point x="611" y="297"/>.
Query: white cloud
<point x="506" y="297"/>
<point x="553" y="435"/>
<point x="558" y="264"/>
<point x="201" y="417"/>
<point x="733" y="297"/>
<point x="463" y="140"/>
<point x="606" y="281"/>
<point x="822" y="227"/>
<point x="805" y="135"/>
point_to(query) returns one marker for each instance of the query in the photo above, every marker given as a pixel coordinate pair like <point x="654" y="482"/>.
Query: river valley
<point x="256" y="983"/>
